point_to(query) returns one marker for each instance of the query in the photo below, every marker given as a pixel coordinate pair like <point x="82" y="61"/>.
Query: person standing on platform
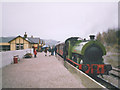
<point x="45" y="51"/>
<point x="55" y="50"/>
<point x="52" y="51"/>
<point x="35" y="52"/>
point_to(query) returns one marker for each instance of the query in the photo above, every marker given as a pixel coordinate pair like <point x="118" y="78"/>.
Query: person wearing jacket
<point x="45" y="51"/>
<point x="35" y="52"/>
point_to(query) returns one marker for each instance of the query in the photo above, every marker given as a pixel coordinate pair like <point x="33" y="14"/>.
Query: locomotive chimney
<point x="92" y="37"/>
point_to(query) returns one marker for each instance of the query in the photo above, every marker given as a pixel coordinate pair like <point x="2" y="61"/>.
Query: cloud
<point x="58" y="20"/>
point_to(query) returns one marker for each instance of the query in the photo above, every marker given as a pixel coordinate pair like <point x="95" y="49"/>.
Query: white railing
<point x="6" y="57"/>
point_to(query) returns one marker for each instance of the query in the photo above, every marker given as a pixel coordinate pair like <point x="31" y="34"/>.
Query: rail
<point x="103" y="82"/>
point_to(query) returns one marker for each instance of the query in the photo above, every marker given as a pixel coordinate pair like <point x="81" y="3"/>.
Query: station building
<point x="19" y="43"/>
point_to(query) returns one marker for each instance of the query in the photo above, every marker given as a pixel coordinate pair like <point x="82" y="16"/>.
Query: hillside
<point x="50" y="42"/>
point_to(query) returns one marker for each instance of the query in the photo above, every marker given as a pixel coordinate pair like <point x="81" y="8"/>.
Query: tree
<point x="118" y="36"/>
<point x="111" y="37"/>
<point x="99" y="37"/>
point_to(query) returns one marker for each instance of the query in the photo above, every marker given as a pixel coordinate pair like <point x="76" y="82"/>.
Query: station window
<point x="19" y="46"/>
<point x="5" y="48"/>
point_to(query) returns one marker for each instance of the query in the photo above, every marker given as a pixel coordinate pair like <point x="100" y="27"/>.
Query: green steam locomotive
<point x="86" y="55"/>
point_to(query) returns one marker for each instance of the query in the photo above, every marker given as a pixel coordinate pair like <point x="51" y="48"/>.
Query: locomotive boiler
<point x="86" y="55"/>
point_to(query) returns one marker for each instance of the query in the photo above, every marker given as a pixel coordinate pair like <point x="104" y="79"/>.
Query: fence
<point x="7" y="56"/>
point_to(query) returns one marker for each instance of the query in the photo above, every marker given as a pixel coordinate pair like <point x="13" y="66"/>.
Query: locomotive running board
<point x="87" y="81"/>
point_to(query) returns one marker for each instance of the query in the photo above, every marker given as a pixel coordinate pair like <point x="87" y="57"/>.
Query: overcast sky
<point x="58" y="21"/>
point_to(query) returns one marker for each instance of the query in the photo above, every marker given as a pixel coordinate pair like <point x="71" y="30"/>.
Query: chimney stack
<point x="25" y="35"/>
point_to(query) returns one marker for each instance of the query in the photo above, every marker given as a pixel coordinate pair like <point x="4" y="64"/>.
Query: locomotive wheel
<point x="76" y="58"/>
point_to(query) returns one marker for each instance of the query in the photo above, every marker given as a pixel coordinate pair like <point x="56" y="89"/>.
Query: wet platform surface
<point x="40" y="72"/>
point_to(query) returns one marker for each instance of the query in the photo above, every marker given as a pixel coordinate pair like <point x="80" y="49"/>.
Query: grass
<point x="113" y="48"/>
<point x="112" y="59"/>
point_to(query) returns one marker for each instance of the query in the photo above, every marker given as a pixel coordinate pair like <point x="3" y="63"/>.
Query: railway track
<point x="106" y="83"/>
<point x="110" y="81"/>
<point x="101" y="82"/>
<point x="115" y="73"/>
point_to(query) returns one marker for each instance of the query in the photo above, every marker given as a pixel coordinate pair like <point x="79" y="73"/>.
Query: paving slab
<point x="40" y="72"/>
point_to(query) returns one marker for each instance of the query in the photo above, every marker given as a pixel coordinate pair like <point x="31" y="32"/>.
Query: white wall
<point x="7" y="56"/>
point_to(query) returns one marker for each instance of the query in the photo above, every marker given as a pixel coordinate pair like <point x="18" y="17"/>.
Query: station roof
<point x="29" y="39"/>
<point x="6" y="39"/>
<point x="34" y="40"/>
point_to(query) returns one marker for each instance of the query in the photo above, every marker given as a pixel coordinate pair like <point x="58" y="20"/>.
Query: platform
<point x="40" y="72"/>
